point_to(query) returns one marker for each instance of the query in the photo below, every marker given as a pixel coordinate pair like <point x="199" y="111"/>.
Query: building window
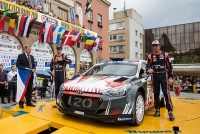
<point x="114" y="37"/>
<point x="110" y="38"/>
<point x="141" y="56"/>
<point x="121" y="49"/>
<point x="140" y="45"/>
<point x="117" y="37"/>
<point x="63" y="14"/>
<point x="112" y="27"/>
<point x="140" y="35"/>
<point x="135" y="32"/>
<point x="90" y="14"/>
<point x="117" y="49"/>
<point x="120" y="25"/>
<point x="120" y="37"/>
<point x="113" y="49"/>
<point x="99" y="20"/>
<point x="136" y="55"/>
<point x="136" y="44"/>
<point x="77" y="5"/>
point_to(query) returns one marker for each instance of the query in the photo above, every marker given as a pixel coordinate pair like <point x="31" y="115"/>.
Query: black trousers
<point x="161" y="80"/>
<point x="2" y="90"/>
<point x="28" y="92"/>
<point x="12" y="87"/>
<point x="59" y="79"/>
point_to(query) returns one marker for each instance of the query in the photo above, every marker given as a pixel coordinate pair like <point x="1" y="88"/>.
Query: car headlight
<point x="119" y="91"/>
<point x="62" y="87"/>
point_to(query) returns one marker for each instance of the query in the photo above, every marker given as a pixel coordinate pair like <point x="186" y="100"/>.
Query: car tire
<point x="162" y="102"/>
<point x="138" y="114"/>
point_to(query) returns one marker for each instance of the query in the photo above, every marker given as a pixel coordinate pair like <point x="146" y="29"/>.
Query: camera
<point x="14" y="78"/>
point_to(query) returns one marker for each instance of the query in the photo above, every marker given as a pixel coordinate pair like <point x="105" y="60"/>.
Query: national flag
<point x="100" y="44"/>
<point x="75" y="37"/>
<point x="2" y="21"/>
<point x="72" y="15"/>
<point x="82" y="38"/>
<point x="95" y="44"/>
<point x="20" y="25"/>
<point x="80" y="16"/>
<point x="44" y="29"/>
<point x="89" y="42"/>
<point x="32" y="21"/>
<point x="61" y="30"/>
<point x="11" y="26"/>
<point x="55" y="33"/>
<point x="68" y="38"/>
<point x="23" y="77"/>
<point x="88" y="6"/>
<point x="50" y="33"/>
<point x="26" y="24"/>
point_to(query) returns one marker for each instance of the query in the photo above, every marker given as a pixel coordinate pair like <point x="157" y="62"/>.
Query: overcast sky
<point x="160" y="13"/>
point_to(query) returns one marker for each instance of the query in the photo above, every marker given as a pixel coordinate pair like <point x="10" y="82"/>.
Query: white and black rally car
<point x="114" y="91"/>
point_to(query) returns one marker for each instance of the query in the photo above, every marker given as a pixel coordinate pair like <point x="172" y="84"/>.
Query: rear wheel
<point x="139" y="109"/>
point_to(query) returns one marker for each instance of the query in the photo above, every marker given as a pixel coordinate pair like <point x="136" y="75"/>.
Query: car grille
<point x="88" y="104"/>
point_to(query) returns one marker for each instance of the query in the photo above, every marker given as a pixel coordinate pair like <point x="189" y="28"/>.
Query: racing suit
<point x="58" y="65"/>
<point x="162" y="68"/>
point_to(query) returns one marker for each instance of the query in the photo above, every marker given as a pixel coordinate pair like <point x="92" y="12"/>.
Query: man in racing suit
<point x="159" y="65"/>
<point x="58" y="68"/>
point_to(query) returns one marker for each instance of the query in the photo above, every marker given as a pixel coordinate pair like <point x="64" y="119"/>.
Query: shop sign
<point x="85" y="56"/>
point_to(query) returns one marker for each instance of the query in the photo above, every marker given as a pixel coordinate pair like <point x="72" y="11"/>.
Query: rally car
<point x="114" y="91"/>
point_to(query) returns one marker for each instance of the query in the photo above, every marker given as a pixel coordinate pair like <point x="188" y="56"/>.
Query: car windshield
<point x="113" y="69"/>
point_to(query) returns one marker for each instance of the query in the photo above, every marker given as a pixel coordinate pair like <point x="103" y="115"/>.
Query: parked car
<point x="114" y="91"/>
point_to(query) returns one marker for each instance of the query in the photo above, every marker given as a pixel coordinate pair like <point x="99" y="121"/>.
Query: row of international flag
<point x="54" y="34"/>
<point x="23" y="24"/>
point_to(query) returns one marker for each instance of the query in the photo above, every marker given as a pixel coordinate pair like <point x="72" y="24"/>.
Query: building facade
<point x="97" y="20"/>
<point x="178" y="40"/>
<point x="44" y="52"/>
<point x="126" y="35"/>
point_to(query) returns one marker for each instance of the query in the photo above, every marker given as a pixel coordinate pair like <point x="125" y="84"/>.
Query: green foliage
<point x="190" y="59"/>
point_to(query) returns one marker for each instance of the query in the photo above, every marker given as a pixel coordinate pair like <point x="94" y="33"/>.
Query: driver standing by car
<point x="58" y="69"/>
<point x="159" y="65"/>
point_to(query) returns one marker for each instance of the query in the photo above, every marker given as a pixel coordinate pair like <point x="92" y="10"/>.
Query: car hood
<point x="94" y="84"/>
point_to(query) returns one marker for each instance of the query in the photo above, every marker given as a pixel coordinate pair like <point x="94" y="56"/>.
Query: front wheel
<point x="139" y="109"/>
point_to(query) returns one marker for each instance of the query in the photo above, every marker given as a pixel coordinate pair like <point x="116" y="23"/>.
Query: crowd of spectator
<point x="42" y="8"/>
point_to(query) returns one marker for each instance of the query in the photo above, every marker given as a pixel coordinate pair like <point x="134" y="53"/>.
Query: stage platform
<point x="44" y="119"/>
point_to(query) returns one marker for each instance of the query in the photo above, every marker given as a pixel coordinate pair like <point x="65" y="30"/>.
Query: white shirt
<point x="10" y="75"/>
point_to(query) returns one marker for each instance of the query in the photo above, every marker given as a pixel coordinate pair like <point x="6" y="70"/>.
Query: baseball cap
<point x="58" y="47"/>
<point x="156" y="42"/>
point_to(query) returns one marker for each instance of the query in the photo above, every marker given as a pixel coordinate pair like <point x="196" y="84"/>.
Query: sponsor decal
<point x="78" y="112"/>
<point x="150" y="131"/>
<point x="125" y="119"/>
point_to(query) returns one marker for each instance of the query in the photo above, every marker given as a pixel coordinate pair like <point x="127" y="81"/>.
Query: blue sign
<point x="35" y="63"/>
<point x="13" y="62"/>
<point x="47" y="64"/>
<point x="73" y="20"/>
